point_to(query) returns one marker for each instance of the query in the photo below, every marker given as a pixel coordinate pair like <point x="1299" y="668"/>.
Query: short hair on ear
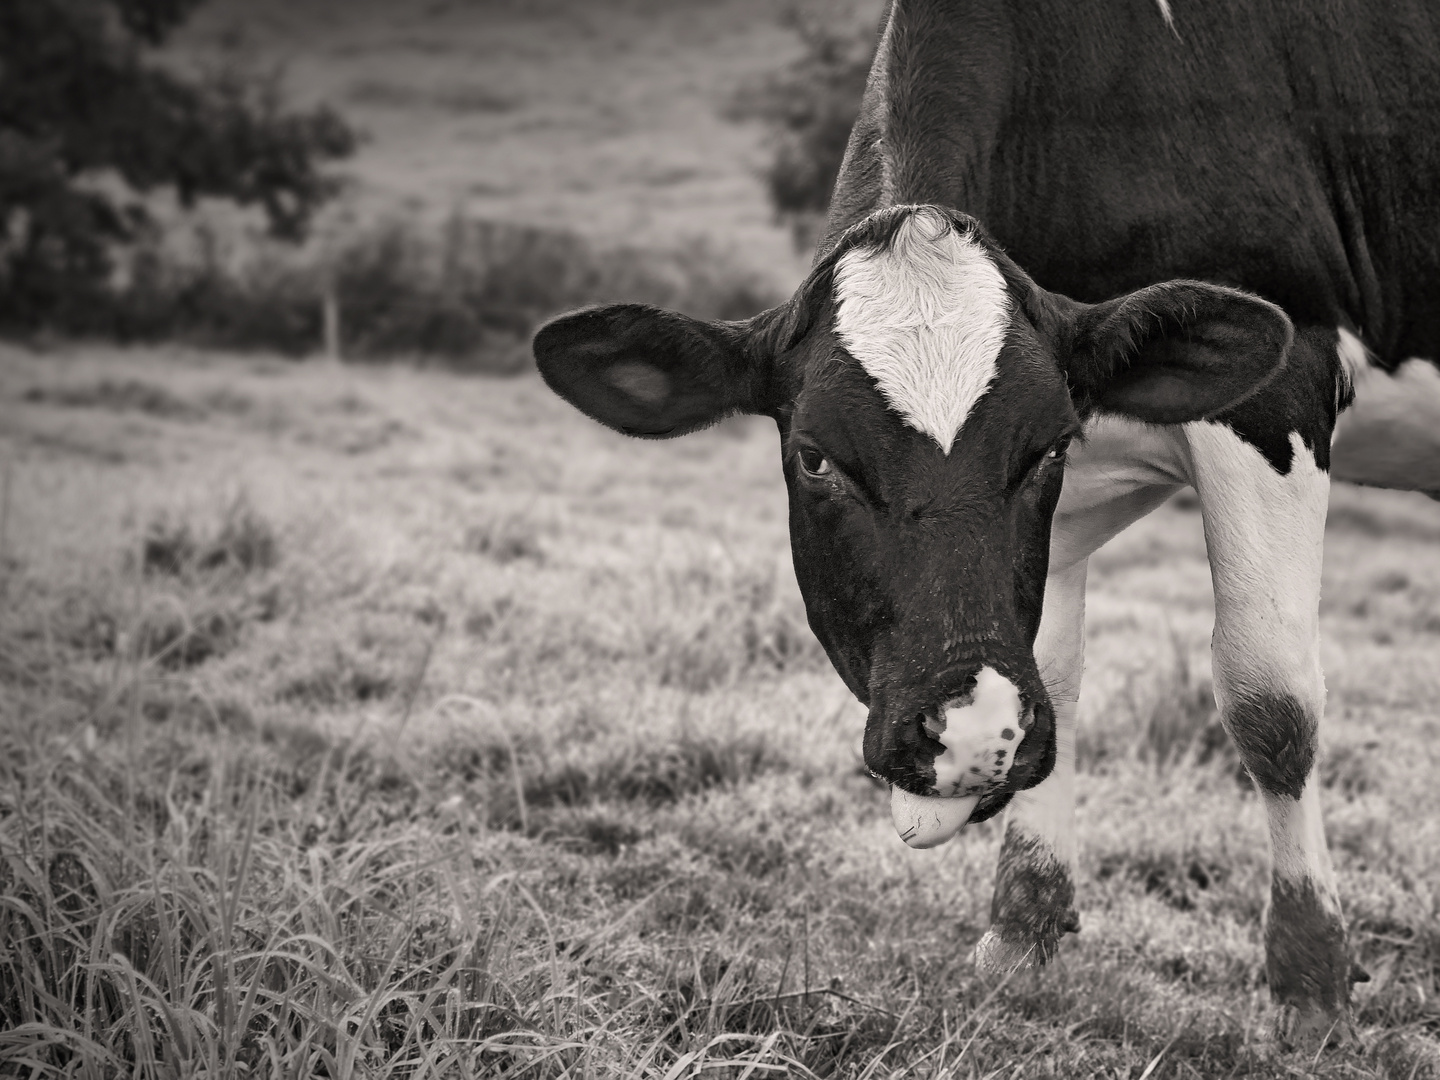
<point x="654" y="373"/>
<point x="1175" y="352"/>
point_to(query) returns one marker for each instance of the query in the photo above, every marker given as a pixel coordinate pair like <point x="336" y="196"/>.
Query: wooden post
<point x="331" y="317"/>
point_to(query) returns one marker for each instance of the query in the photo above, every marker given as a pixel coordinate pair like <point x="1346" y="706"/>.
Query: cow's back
<point x="1291" y="149"/>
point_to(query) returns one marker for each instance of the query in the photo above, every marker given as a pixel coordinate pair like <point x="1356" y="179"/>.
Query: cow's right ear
<point x="655" y="373"/>
<point x="1175" y="352"/>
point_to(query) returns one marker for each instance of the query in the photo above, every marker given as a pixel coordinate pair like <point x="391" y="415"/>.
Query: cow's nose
<point x="980" y="729"/>
<point x="942" y="757"/>
<point x="958" y="737"/>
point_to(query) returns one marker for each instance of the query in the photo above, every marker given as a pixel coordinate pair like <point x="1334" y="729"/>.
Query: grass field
<point x="374" y="722"/>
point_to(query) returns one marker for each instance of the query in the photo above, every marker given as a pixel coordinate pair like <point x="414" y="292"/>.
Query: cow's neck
<point x="931" y="68"/>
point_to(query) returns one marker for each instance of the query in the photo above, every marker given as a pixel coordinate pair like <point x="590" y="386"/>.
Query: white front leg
<point x="1119" y="474"/>
<point x="1265" y="532"/>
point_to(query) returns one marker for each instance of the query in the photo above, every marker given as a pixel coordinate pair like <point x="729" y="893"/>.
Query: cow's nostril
<point x="933" y="723"/>
<point x="964" y="695"/>
<point x="1027" y="716"/>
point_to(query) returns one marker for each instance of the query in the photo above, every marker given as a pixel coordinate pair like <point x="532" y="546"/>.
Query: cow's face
<point x="926" y="391"/>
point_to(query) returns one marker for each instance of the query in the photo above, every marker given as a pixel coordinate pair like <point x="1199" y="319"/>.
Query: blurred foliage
<point x="88" y="127"/>
<point x="810" y="107"/>
<point x="468" y="291"/>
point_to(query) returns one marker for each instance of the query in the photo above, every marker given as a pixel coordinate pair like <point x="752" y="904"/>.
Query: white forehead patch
<point x="926" y="318"/>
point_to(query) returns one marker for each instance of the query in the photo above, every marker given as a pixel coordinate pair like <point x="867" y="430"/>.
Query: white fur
<point x="1354" y="357"/>
<point x="1046" y="812"/>
<point x="926" y="319"/>
<point x="1297" y="843"/>
<point x="977" y="755"/>
<point x="1265" y="534"/>
<point x="1166" y="13"/>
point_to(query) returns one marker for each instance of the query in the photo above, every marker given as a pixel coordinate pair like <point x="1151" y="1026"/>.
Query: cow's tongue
<point x="925" y="821"/>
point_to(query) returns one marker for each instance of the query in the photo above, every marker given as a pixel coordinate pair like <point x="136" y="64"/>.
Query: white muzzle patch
<point x="980" y="732"/>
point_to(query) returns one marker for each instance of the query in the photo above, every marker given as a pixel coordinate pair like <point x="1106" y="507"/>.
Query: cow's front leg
<point x="1121" y="472"/>
<point x="1034" y="900"/>
<point x="1264" y="530"/>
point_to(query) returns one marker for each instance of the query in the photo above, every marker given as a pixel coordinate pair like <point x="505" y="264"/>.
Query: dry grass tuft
<point x="243" y="543"/>
<point x="129" y="395"/>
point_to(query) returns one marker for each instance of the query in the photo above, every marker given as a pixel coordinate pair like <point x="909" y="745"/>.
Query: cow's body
<point x="1289" y="149"/>
<point x="928" y="384"/>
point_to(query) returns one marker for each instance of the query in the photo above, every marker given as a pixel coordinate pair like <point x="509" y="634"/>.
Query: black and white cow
<point x="1207" y="231"/>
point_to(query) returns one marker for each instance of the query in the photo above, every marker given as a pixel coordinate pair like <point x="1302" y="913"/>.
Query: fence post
<point x="330" y="311"/>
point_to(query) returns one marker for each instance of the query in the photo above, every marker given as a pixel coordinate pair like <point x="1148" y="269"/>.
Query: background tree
<point x="80" y="107"/>
<point x="810" y="107"/>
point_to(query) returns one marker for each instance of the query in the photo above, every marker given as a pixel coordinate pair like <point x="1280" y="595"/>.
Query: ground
<point x="383" y="720"/>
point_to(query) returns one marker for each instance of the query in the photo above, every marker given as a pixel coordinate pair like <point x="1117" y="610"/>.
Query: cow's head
<point x="926" y="391"/>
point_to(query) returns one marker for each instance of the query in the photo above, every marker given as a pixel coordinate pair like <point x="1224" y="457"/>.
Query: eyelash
<point x="1032" y="469"/>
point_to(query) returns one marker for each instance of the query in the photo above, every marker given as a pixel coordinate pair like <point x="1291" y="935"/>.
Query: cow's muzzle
<point x="961" y="756"/>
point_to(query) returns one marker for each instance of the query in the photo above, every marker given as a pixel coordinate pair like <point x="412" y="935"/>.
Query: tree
<point x="80" y="107"/>
<point x="810" y="108"/>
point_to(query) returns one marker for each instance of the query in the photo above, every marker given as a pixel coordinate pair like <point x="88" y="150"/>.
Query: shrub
<point x="77" y="101"/>
<point x="469" y="292"/>
<point x="810" y="108"/>
<point x="481" y="284"/>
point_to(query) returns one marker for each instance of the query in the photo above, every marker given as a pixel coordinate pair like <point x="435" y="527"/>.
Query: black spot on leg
<point x="1034" y="896"/>
<point x="1306" y="961"/>
<point x="1276" y="740"/>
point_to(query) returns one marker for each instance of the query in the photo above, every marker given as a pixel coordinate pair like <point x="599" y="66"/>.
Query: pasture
<point x="370" y="722"/>
<point x="606" y="117"/>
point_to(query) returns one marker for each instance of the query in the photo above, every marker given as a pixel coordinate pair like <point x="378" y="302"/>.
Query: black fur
<point x="1307" y="962"/>
<point x="920" y="567"/>
<point x="1276" y="739"/>
<point x="1288" y="148"/>
<point x="1034" y="900"/>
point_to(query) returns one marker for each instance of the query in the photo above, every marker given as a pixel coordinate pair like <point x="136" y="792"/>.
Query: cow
<point x="1079" y="257"/>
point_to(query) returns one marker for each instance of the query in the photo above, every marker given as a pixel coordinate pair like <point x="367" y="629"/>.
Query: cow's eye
<point x="814" y="462"/>
<point x="1056" y="452"/>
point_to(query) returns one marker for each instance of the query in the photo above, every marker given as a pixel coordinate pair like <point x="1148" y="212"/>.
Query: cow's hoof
<point x="1312" y="1029"/>
<point x="1003" y="951"/>
<point x="997" y="955"/>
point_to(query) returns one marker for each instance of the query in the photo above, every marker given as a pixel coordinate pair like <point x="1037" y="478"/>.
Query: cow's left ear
<point x="1175" y="352"/>
<point x="654" y="373"/>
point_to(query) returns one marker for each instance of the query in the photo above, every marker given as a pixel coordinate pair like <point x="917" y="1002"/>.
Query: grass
<point x="385" y="722"/>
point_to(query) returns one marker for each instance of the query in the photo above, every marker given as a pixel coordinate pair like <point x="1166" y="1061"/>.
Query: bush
<point x="78" y="102"/>
<point x="482" y="283"/>
<point x="810" y="108"/>
<point x="470" y="292"/>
